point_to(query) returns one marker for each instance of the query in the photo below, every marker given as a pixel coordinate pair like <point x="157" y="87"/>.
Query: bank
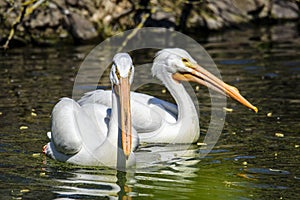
<point x="45" y="22"/>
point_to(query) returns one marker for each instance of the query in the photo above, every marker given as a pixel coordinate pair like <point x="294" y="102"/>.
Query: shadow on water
<point x="256" y="157"/>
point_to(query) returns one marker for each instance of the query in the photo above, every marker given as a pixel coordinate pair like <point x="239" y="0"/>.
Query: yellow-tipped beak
<point x="204" y="77"/>
<point x="126" y="122"/>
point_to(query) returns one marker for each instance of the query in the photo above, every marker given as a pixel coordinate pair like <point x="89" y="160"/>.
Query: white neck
<point x="114" y="122"/>
<point x="186" y="108"/>
<point x="110" y="151"/>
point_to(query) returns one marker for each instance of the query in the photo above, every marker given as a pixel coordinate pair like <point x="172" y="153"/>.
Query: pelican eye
<point x="185" y="61"/>
<point x="117" y="73"/>
<point x="130" y="70"/>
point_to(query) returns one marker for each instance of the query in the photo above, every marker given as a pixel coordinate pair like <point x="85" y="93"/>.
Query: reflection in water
<point x="88" y="183"/>
<point x="167" y="170"/>
<point x="159" y="164"/>
<point x="161" y="171"/>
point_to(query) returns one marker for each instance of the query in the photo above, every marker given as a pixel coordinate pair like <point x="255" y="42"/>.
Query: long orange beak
<point x="204" y="77"/>
<point x="126" y="122"/>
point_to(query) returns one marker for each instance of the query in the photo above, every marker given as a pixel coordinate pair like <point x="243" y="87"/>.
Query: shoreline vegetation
<point x="50" y="22"/>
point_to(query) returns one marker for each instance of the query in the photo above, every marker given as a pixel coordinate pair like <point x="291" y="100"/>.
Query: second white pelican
<point x="94" y="134"/>
<point x="158" y="121"/>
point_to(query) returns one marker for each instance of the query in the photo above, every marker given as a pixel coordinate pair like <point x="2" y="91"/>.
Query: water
<point x="256" y="157"/>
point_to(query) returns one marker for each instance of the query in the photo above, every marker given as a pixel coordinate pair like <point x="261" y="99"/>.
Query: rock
<point x="215" y="15"/>
<point x="158" y="19"/>
<point x="72" y="2"/>
<point x="248" y="7"/>
<point x="80" y="28"/>
<point x="47" y="19"/>
<point x="285" y="10"/>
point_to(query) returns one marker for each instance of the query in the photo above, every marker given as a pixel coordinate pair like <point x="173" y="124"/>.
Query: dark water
<point x="256" y="157"/>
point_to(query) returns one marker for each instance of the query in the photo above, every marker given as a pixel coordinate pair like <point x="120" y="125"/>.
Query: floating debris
<point x="24" y="190"/>
<point x="0" y="113"/>
<point x="43" y="174"/>
<point x="245" y="163"/>
<point x="228" y="109"/>
<point x="297" y="145"/>
<point x="35" y="155"/>
<point x="279" y="134"/>
<point x="33" y="114"/>
<point x="269" y="114"/>
<point x="197" y="88"/>
<point x="23" y="127"/>
<point x="227" y="183"/>
<point x="247" y="176"/>
<point x="163" y="91"/>
<point x="201" y="144"/>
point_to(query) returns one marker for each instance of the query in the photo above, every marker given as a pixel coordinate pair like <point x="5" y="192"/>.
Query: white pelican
<point x="94" y="134"/>
<point x="158" y="121"/>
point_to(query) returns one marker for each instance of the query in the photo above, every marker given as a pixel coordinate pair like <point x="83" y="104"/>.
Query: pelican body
<point x="95" y="134"/>
<point x="158" y="121"/>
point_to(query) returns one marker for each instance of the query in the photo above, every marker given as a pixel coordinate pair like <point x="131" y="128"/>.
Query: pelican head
<point x="182" y="67"/>
<point x="121" y="77"/>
